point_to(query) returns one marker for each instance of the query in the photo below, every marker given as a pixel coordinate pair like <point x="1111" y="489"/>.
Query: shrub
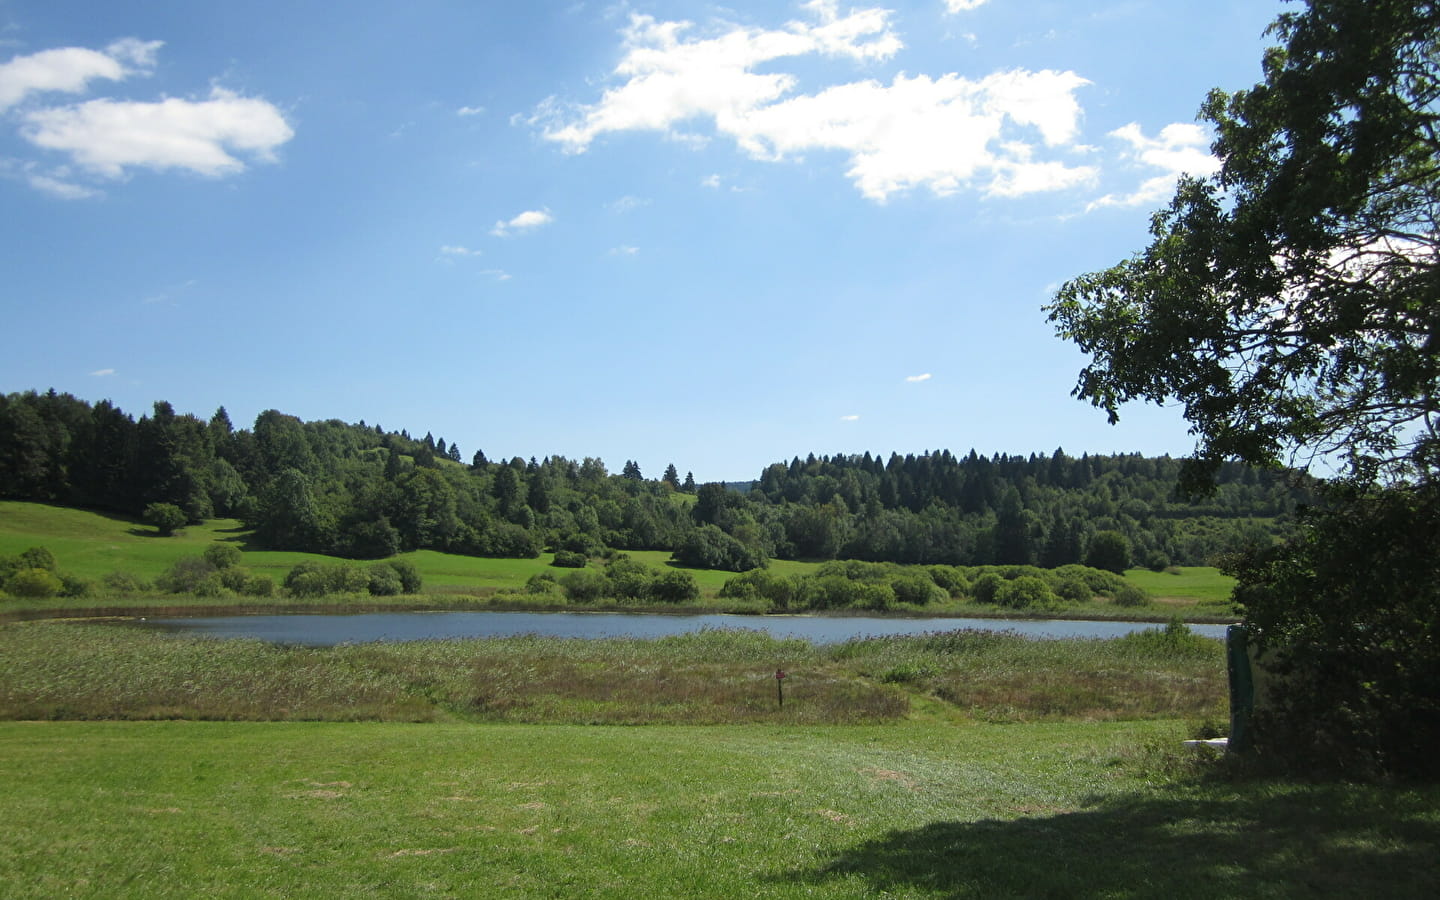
<point x="950" y="579"/>
<point x="410" y="580"/>
<point x="569" y="559"/>
<point x="758" y="584"/>
<point x="185" y="576"/>
<point x="37" y="558"/>
<point x="259" y="586"/>
<point x="167" y="518"/>
<point x="1024" y="592"/>
<point x="35" y="584"/>
<point x="585" y="585"/>
<point x="222" y="556"/>
<point x="986" y="587"/>
<point x="543" y="583"/>
<point x="384" y="581"/>
<point x="75" y="586"/>
<point x="917" y="590"/>
<point x="628" y="578"/>
<point x="1129" y="595"/>
<point x="674" y="586"/>
<point x="1108" y="550"/>
<point x="234" y="578"/>
<point x="123" y="583"/>
<point x="1073" y="590"/>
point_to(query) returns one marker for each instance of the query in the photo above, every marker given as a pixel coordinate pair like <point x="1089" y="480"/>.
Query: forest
<point x="361" y="491"/>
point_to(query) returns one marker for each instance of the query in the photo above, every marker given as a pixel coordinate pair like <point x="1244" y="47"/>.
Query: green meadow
<point x="92" y="545"/>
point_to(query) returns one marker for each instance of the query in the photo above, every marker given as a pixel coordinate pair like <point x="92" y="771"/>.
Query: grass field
<point x="187" y="809"/>
<point x="1187" y="584"/>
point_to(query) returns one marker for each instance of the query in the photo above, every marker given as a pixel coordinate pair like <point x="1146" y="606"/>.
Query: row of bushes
<point x="35" y="574"/>
<point x="621" y="579"/>
<point x="864" y="585"/>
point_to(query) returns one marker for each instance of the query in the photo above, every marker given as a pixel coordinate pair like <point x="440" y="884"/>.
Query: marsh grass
<point x="61" y="670"/>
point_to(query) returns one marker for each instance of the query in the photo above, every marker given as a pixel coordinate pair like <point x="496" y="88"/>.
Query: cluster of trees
<point x="621" y="579"/>
<point x="362" y="492"/>
<point x="1289" y="303"/>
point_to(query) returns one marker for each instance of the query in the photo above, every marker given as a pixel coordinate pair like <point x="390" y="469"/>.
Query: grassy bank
<point x="184" y="809"/>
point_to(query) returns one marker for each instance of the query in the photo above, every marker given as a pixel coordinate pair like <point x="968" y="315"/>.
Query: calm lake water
<point x="328" y="630"/>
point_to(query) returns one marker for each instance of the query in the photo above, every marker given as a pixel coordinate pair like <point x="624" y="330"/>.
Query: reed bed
<point x="65" y="670"/>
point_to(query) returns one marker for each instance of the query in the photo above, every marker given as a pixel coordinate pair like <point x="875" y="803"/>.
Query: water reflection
<point x="328" y="630"/>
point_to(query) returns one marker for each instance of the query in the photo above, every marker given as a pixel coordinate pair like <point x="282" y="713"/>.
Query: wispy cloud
<point x="103" y="373"/>
<point x="711" y="181"/>
<point x="525" y="221"/>
<point x="849" y="418"/>
<point x="497" y="274"/>
<point x="171" y="295"/>
<point x="959" y="6"/>
<point x="451" y="251"/>
<point x="624" y="250"/>
<point x="627" y="203"/>
<point x="470" y="111"/>
<point x="915" y="378"/>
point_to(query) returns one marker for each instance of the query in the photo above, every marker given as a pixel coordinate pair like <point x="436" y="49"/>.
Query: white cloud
<point x="497" y="274"/>
<point x="946" y="134"/>
<point x="107" y="136"/>
<point x="959" y="6"/>
<point x="627" y="203"/>
<point x="454" y="250"/>
<point x="1180" y="149"/>
<point x="849" y="418"/>
<point x="103" y="373"/>
<point x="525" y="221"/>
<point x="70" y="69"/>
<point x="711" y="181"/>
<point x="624" y="250"/>
<point x="914" y="378"/>
<point x="470" y="111"/>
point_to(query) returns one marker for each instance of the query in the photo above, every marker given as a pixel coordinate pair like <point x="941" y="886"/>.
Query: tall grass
<point x="59" y="670"/>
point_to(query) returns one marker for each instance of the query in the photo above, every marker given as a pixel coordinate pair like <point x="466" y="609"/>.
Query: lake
<point x="328" y="630"/>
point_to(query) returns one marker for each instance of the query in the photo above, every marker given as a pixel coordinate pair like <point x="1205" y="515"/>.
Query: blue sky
<point x="718" y="236"/>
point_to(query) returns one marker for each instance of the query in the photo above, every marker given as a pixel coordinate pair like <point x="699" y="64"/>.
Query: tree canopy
<point x="1288" y="302"/>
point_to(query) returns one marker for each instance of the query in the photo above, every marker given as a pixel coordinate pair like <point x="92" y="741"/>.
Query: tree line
<point x="361" y="491"/>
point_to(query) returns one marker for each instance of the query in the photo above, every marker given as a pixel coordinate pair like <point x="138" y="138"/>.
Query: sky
<point x="717" y="236"/>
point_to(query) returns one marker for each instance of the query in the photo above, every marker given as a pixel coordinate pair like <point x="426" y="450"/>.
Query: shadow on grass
<point x="1248" y="841"/>
<point x="148" y="533"/>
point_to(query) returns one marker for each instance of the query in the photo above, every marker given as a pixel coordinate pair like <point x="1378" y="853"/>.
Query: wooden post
<point x="779" y="687"/>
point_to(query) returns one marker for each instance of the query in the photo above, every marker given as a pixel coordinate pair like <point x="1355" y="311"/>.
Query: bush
<point x="34" y="584"/>
<point x="222" y="556"/>
<point x="259" y="586"/>
<point x="1073" y="590"/>
<point x="234" y="578"/>
<point x="987" y="587"/>
<point x="123" y="583"/>
<point x="185" y="575"/>
<point x="543" y="583"/>
<point x="917" y="590"/>
<point x="950" y="579"/>
<point x="384" y="581"/>
<point x="410" y="580"/>
<point x="1109" y="550"/>
<point x="707" y="547"/>
<point x="75" y="586"/>
<point x="585" y="585"/>
<point x="1157" y="560"/>
<point x="674" y="586"/>
<point x="758" y="584"/>
<point x="629" y="579"/>
<point x="1129" y="595"/>
<point x="1025" y="592"/>
<point x="569" y="559"/>
<point x="37" y="558"/>
<point x="167" y="518"/>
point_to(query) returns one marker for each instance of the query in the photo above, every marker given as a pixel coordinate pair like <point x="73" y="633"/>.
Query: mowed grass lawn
<point x="1189" y="584"/>
<point x="188" y="809"/>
